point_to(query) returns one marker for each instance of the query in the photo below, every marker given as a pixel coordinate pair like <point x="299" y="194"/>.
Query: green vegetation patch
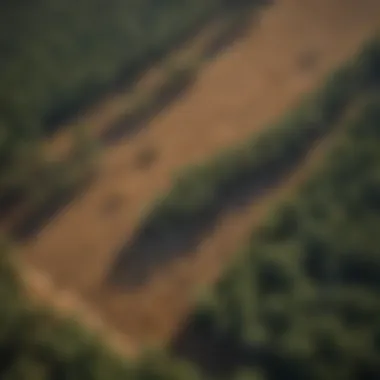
<point x="303" y="300"/>
<point x="201" y="192"/>
<point x="59" y="56"/>
<point x="37" y="344"/>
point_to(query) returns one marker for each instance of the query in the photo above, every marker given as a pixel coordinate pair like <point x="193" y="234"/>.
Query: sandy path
<point x="249" y="85"/>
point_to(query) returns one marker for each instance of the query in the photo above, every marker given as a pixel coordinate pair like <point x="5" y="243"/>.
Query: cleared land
<point x="296" y="43"/>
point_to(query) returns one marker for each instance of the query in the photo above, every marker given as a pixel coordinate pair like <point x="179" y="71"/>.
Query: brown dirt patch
<point x="249" y="85"/>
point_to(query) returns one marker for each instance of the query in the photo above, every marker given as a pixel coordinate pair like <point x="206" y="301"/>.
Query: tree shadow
<point x="8" y="201"/>
<point x="237" y="30"/>
<point x="69" y="110"/>
<point x="155" y="245"/>
<point x="174" y="88"/>
<point x="128" y="125"/>
<point x="129" y="75"/>
<point x="40" y="216"/>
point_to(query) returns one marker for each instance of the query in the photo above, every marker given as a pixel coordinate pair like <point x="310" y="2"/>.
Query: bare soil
<point x="250" y="85"/>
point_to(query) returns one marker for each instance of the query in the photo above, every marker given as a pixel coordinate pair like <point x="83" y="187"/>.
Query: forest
<point x="301" y="301"/>
<point x="57" y="56"/>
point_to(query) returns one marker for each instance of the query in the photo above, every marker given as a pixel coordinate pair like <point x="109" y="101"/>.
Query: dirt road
<point x="252" y="83"/>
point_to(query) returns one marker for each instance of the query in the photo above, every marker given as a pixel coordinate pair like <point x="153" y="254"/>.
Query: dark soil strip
<point x="40" y="216"/>
<point x="152" y="249"/>
<point x="129" y="76"/>
<point x="9" y="200"/>
<point x="132" y="123"/>
<point x="178" y="223"/>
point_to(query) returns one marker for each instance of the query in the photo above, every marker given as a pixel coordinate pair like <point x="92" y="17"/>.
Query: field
<point x="287" y="54"/>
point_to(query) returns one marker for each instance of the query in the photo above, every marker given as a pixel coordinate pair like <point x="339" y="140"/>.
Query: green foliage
<point x="201" y="191"/>
<point x="159" y="366"/>
<point x="36" y="344"/>
<point x="57" y="57"/>
<point x="305" y="292"/>
<point x="248" y="374"/>
<point x="59" y="54"/>
<point x="313" y="283"/>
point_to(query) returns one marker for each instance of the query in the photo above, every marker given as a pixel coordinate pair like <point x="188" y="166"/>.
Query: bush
<point x="317" y="257"/>
<point x="283" y="224"/>
<point x="360" y="268"/>
<point x="273" y="277"/>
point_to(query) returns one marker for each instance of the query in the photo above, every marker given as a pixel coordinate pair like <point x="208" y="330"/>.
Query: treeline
<point x="200" y="193"/>
<point x="57" y="57"/>
<point x="303" y="300"/>
<point x="302" y="303"/>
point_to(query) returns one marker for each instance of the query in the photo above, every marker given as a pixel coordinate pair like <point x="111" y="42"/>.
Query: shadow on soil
<point x="8" y="201"/>
<point x="66" y="113"/>
<point x="128" y="126"/>
<point x="38" y="217"/>
<point x="132" y="123"/>
<point x="153" y="248"/>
